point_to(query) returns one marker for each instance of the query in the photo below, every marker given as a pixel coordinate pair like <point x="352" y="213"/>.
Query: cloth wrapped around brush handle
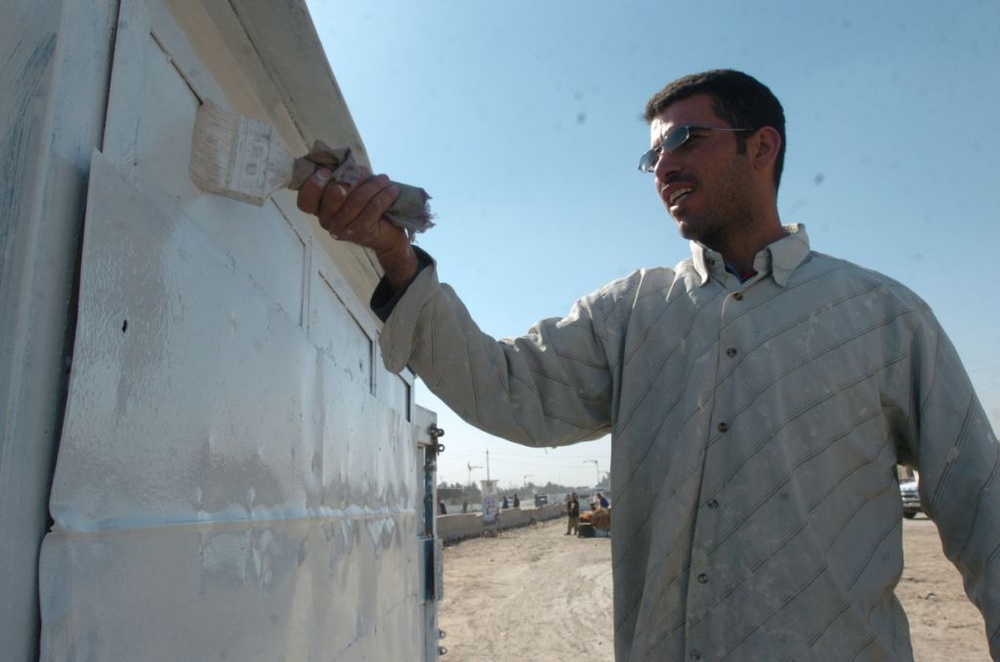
<point x="410" y="211"/>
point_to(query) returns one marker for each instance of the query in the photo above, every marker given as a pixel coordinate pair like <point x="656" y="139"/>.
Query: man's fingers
<point x="349" y="212"/>
<point x="312" y="190"/>
<point x="333" y="212"/>
<point x="355" y="206"/>
<point x="380" y="203"/>
<point x="361" y="212"/>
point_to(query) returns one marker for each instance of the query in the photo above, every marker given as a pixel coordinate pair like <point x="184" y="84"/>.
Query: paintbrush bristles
<point x="245" y="159"/>
<point x="237" y="156"/>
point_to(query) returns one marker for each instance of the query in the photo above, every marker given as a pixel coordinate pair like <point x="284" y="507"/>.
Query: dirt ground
<point x="537" y="595"/>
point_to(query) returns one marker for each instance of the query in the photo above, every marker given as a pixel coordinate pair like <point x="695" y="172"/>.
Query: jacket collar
<point x="778" y="260"/>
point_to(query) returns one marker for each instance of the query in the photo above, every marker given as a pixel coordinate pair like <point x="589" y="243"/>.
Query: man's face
<point x="704" y="184"/>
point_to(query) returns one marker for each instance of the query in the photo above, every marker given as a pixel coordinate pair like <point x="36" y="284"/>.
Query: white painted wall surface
<point x="53" y="77"/>
<point x="237" y="476"/>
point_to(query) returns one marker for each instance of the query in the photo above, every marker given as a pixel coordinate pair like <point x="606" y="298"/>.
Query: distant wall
<point x="451" y="528"/>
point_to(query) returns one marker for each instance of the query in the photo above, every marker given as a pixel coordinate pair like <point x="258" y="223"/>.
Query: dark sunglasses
<point x="672" y="142"/>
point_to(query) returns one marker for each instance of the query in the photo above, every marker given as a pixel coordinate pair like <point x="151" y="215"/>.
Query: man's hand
<point x="354" y="213"/>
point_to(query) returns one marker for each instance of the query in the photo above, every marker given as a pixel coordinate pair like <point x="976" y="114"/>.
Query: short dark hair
<point x="737" y="98"/>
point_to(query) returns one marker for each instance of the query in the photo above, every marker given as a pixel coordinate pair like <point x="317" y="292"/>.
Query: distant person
<point x="602" y="520"/>
<point x="442" y="509"/>
<point x="517" y="501"/>
<point x="602" y="501"/>
<point x="504" y="502"/>
<point x="759" y="396"/>
<point x="465" y="507"/>
<point x="572" y="515"/>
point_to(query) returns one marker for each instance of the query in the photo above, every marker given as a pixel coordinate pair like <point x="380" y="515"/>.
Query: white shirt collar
<point x="778" y="259"/>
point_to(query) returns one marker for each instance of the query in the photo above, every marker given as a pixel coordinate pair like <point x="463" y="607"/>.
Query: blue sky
<point x="523" y="121"/>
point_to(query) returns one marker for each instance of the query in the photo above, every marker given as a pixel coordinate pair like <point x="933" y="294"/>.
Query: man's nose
<point x="666" y="164"/>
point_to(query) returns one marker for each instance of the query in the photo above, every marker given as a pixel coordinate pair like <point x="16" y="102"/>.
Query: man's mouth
<point x="678" y="195"/>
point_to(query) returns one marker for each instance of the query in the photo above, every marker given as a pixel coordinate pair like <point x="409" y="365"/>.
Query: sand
<point x="536" y="595"/>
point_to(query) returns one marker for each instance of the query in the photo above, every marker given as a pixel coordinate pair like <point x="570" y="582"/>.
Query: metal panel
<point x="286" y="590"/>
<point x="230" y="483"/>
<point x="339" y="333"/>
<point x="55" y="59"/>
<point x="267" y="62"/>
<point x="219" y="477"/>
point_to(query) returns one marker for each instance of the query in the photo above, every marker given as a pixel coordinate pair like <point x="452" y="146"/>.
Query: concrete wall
<point x="452" y="528"/>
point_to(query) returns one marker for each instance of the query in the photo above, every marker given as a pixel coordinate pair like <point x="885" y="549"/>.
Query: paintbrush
<point x="245" y="159"/>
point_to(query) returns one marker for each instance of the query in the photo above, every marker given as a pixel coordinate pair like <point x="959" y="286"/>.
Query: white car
<point x="910" y="496"/>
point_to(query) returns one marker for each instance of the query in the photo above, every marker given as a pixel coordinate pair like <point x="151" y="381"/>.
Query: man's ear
<point x="766" y="145"/>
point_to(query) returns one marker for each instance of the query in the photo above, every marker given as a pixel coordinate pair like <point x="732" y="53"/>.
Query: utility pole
<point x="487" y="464"/>
<point x="597" y="469"/>
<point x="469" y="464"/>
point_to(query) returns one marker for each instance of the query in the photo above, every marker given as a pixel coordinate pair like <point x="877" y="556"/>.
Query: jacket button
<point x="723" y="427"/>
<point x="713" y="504"/>
<point x="731" y="351"/>
<point x="703" y="578"/>
<point x="738" y="296"/>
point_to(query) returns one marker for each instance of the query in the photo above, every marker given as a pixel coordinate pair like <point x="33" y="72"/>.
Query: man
<point x="759" y="396"/>
<point x="572" y="515"/>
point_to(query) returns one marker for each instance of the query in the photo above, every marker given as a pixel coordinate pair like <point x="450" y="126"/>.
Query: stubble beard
<point x="728" y="214"/>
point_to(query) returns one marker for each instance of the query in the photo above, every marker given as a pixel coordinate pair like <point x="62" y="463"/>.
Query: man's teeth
<point x="677" y="195"/>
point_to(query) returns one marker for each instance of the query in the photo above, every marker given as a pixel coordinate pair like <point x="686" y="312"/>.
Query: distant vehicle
<point x="911" y="498"/>
<point x="541" y="500"/>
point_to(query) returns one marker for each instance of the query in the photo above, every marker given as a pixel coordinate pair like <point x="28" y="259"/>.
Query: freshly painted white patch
<point x="238" y="477"/>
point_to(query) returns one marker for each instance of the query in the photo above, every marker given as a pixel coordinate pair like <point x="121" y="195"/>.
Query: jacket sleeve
<point x="551" y="386"/>
<point x="956" y="454"/>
